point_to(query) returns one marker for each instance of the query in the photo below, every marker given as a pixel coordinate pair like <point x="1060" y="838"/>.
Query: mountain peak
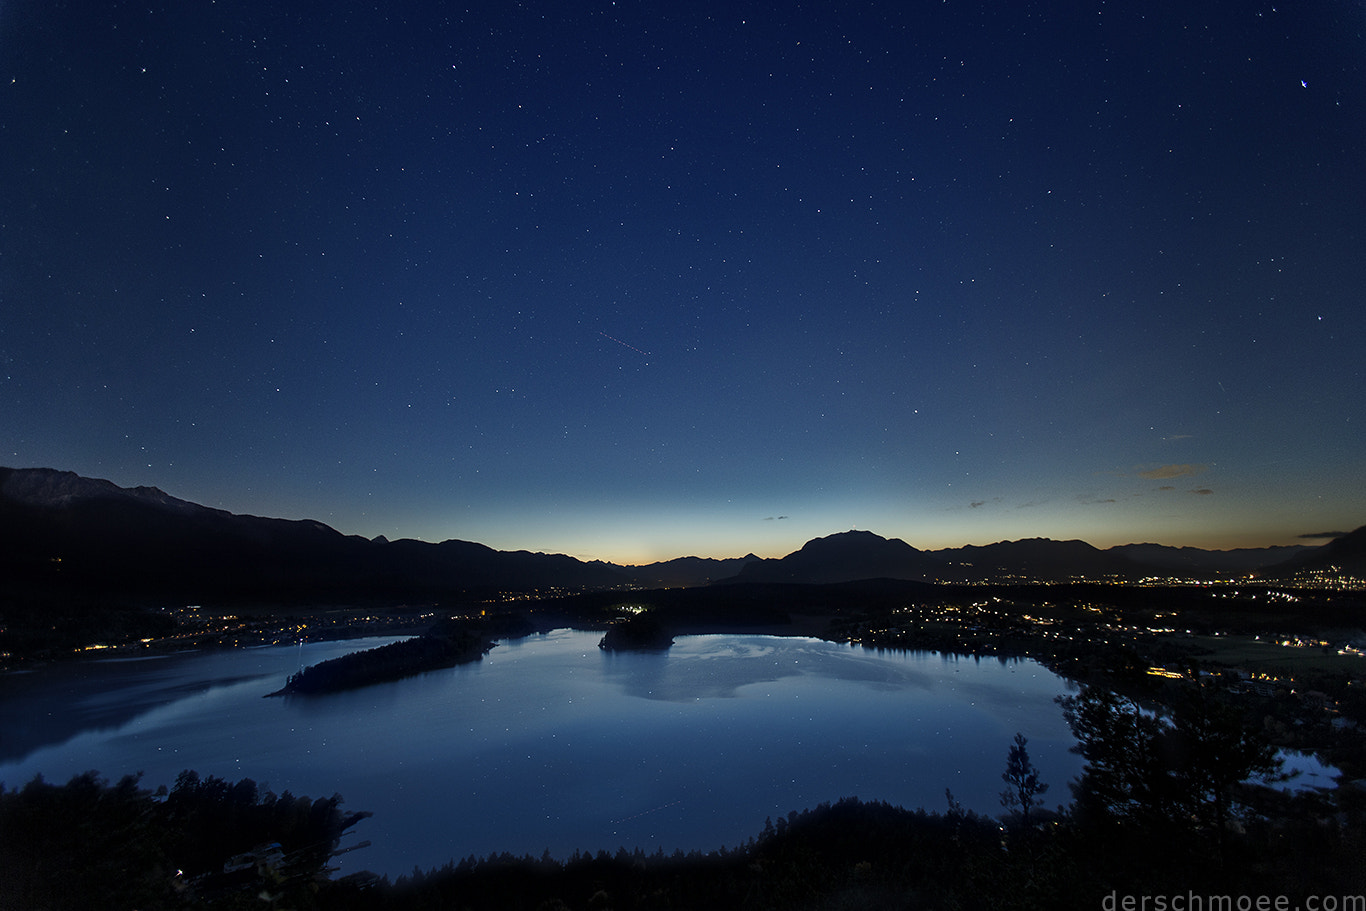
<point x="1347" y="553"/>
<point x="855" y="539"/>
<point x="85" y="534"/>
<point x="52" y="489"/>
<point x="844" y="557"/>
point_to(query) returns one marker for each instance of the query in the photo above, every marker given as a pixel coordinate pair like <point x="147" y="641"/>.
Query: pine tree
<point x="1025" y="791"/>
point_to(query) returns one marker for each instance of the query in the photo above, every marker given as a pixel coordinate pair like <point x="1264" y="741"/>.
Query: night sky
<point x="637" y="280"/>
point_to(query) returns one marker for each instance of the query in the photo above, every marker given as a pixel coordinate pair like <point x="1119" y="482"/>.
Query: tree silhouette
<point x="1025" y="791"/>
<point x="1213" y="750"/>
<point x="1123" y="777"/>
<point x="1180" y="773"/>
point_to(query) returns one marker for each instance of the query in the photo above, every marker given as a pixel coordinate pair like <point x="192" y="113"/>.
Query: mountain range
<point x="59" y="530"/>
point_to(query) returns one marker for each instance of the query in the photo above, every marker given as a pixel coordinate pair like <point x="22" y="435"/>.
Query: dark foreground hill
<point x="214" y="844"/>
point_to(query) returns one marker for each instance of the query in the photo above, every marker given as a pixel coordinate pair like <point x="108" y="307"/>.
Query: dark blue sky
<point x="630" y="281"/>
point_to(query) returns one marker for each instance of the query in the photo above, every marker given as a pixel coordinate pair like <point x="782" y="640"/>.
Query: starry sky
<point x="636" y="280"/>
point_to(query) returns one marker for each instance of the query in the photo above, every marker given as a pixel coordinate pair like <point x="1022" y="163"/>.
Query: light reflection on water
<point x="550" y="743"/>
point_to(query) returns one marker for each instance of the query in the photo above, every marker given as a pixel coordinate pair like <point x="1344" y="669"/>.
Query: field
<point x="1247" y="653"/>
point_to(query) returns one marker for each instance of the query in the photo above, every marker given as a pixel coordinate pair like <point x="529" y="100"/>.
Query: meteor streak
<point x="620" y="342"/>
<point x="653" y="809"/>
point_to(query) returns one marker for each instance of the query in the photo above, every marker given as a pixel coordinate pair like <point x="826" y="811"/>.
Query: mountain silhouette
<point x="1036" y="558"/>
<point x="1196" y="561"/>
<point x="683" y="572"/>
<point x="58" y="529"/>
<point x="1347" y="554"/>
<point x="61" y="532"/>
<point x="845" y="557"/>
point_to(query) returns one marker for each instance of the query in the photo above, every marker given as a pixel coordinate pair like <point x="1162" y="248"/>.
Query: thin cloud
<point x="1166" y="487"/>
<point x="976" y="503"/>
<point x="1178" y="436"/>
<point x="1163" y="472"/>
<point x="1326" y="534"/>
<point x="1202" y="491"/>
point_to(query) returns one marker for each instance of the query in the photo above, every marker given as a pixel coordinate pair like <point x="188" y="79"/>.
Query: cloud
<point x="1326" y="534"/>
<point x="1178" y="436"/>
<point x="1171" y="471"/>
<point x="976" y="503"/>
<point x="1202" y="491"/>
<point x="774" y="518"/>
<point x="1166" y="487"/>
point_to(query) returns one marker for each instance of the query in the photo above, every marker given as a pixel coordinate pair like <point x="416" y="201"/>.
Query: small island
<point x="641" y="633"/>
<point x="446" y="644"/>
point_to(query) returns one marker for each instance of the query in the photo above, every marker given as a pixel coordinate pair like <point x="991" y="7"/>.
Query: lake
<point x="549" y="743"/>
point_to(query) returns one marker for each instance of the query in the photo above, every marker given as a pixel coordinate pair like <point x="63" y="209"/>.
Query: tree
<point x="1123" y="777"/>
<point x="1182" y="772"/>
<point x="1213" y="750"/>
<point x="1025" y="791"/>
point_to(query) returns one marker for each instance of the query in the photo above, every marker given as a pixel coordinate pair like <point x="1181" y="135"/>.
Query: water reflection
<point x="52" y="703"/>
<point x="550" y="743"/>
<point x="704" y="667"/>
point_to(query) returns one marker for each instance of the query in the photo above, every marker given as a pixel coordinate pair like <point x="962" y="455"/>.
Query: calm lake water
<point x="550" y="743"/>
